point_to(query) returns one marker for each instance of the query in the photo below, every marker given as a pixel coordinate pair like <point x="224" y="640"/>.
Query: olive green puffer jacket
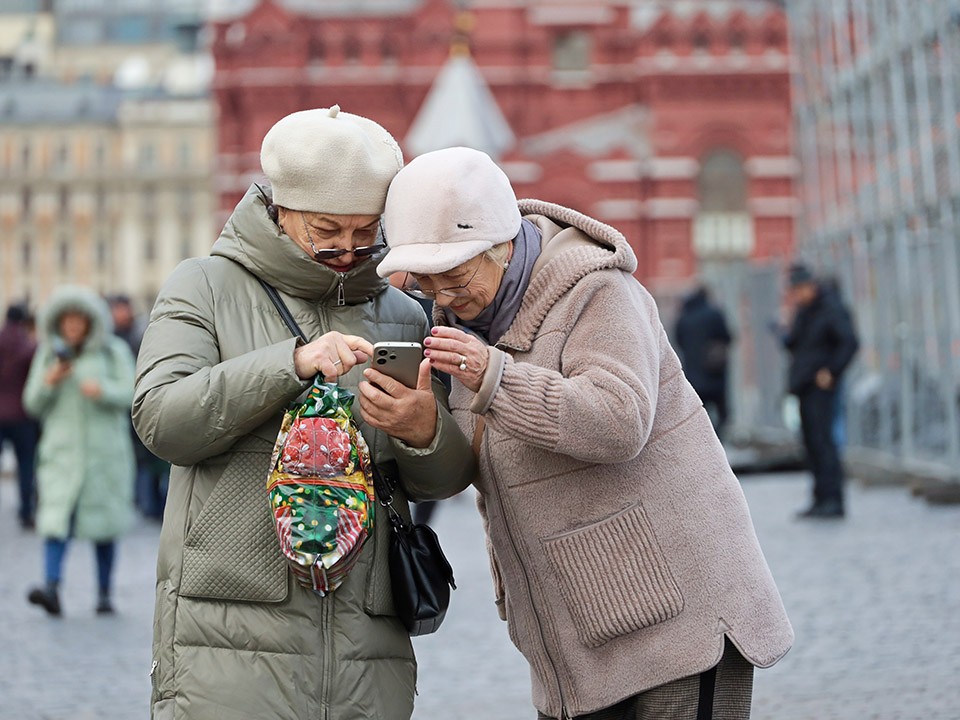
<point x="234" y="635"/>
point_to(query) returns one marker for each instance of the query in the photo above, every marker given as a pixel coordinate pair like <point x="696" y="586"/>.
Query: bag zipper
<point x="341" y="296"/>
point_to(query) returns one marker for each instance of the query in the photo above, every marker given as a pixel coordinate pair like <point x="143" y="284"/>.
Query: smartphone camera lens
<point x="381" y="361"/>
<point x="382" y="352"/>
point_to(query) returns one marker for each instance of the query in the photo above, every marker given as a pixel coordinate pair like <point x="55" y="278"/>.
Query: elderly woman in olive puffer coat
<point x="627" y="566"/>
<point x="234" y="635"/>
<point x="79" y="388"/>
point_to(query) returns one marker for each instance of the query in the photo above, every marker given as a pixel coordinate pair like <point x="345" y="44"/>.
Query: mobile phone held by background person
<point x="399" y="360"/>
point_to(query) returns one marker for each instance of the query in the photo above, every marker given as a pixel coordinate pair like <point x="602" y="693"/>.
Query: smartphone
<point x="399" y="360"/>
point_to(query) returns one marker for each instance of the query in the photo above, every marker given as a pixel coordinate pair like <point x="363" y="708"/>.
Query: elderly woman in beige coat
<point x="622" y="548"/>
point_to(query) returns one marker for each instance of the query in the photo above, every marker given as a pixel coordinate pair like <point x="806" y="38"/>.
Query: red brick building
<point x="669" y="120"/>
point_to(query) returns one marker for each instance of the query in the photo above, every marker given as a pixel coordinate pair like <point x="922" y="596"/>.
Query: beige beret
<point x="328" y="161"/>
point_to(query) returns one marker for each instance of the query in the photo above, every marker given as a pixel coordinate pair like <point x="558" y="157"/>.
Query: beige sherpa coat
<point x="623" y="539"/>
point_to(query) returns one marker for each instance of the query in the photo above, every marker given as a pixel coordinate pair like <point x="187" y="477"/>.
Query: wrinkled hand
<point x="462" y="355"/>
<point x="409" y="414"/>
<point x="91" y="389"/>
<point x="331" y="355"/>
<point x="57" y="372"/>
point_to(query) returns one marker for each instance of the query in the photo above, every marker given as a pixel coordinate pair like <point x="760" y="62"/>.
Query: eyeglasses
<point x="360" y="252"/>
<point x="457" y="291"/>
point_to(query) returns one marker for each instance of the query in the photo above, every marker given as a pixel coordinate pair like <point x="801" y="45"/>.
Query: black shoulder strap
<point x="282" y="308"/>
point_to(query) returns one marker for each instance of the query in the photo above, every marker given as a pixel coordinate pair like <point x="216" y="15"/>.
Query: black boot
<point x="48" y="598"/>
<point x="104" y="606"/>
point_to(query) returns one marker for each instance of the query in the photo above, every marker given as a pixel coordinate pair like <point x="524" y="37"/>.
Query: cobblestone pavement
<point x="874" y="601"/>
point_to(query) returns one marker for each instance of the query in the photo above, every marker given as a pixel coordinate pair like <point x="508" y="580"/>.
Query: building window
<point x="62" y="155"/>
<point x="737" y="40"/>
<point x="723" y="183"/>
<point x="571" y="51"/>
<point x="25" y="155"/>
<point x="700" y="40"/>
<point x="102" y="252"/>
<point x="64" y="254"/>
<point x="147" y="156"/>
<point x="389" y="53"/>
<point x="149" y="244"/>
<point x="185" y="201"/>
<point x="184" y="154"/>
<point x="316" y="51"/>
<point x="100" y="153"/>
<point x="63" y="200"/>
<point x="186" y="241"/>
<point x="26" y="253"/>
<point x="26" y="200"/>
<point x="148" y="200"/>
<point x="723" y="229"/>
<point x="351" y="50"/>
<point x="100" y="201"/>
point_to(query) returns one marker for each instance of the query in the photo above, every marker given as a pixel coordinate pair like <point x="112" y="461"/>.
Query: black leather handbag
<point x="420" y="573"/>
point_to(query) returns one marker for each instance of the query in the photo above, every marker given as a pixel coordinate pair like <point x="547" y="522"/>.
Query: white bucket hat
<point x="328" y="161"/>
<point x="444" y="208"/>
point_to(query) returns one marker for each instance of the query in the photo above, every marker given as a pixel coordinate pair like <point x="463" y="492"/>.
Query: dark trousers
<point x="23" y="435"/>
<point x="55" y="550"/>
<point x="817" y="413"/>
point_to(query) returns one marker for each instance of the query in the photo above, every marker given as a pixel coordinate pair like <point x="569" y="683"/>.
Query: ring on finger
<point x="463" y="362"/>
<point x="337" y="362"/>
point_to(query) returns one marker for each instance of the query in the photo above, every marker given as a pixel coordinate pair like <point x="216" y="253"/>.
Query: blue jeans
<point x="55" y="550"/>
<point x="23" y="435"/>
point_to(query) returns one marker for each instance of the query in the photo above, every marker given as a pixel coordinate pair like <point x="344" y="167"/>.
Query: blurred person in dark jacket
<point x="17" y="347"/>
<point x="153" y="474"/>
<point x="821" y="342"/>
<point x="703" y="341"/>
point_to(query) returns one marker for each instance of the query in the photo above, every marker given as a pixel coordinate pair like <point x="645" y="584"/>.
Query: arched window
<point x="723" y="229"/>
<point x="722" y="185"/>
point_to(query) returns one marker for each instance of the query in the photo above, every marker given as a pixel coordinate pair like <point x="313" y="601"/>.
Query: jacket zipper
<point x="326" y="613"/>
<point x="526" y="577"/>
<point x="341" y="297"/>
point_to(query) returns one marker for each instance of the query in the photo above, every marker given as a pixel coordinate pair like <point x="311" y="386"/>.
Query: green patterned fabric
<point x="321" y="488"/>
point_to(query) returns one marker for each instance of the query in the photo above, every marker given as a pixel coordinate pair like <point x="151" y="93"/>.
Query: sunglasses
<point x="320" y="255"/>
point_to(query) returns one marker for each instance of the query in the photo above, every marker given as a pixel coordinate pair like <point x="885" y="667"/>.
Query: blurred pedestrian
<point x="17" y="347"/>
<point x="152" y="473"/>
<point x="632" y="579"/>
<point x="235" y="634"/>
<point x="703" y="343"/>
<point x="80" y="388"/>
<point x="822" y="342"/>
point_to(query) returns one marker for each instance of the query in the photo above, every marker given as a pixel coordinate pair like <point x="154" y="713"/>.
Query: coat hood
<point x="252" y="239"/>
<point x="573" y="245"/>
<point x="73" y="297"/>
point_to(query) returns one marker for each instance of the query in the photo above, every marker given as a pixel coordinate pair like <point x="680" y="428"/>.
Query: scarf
<point x="495" y="319"/>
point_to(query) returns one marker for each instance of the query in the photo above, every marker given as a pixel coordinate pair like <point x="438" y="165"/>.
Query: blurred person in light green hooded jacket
<point x="80" y="388"/>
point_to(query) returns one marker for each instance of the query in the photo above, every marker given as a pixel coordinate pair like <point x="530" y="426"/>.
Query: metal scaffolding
<point x="877" y="110"/>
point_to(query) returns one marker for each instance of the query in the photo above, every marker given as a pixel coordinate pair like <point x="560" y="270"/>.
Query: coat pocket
<point x="614" y="577"/>
<point x="231" y="552"/>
